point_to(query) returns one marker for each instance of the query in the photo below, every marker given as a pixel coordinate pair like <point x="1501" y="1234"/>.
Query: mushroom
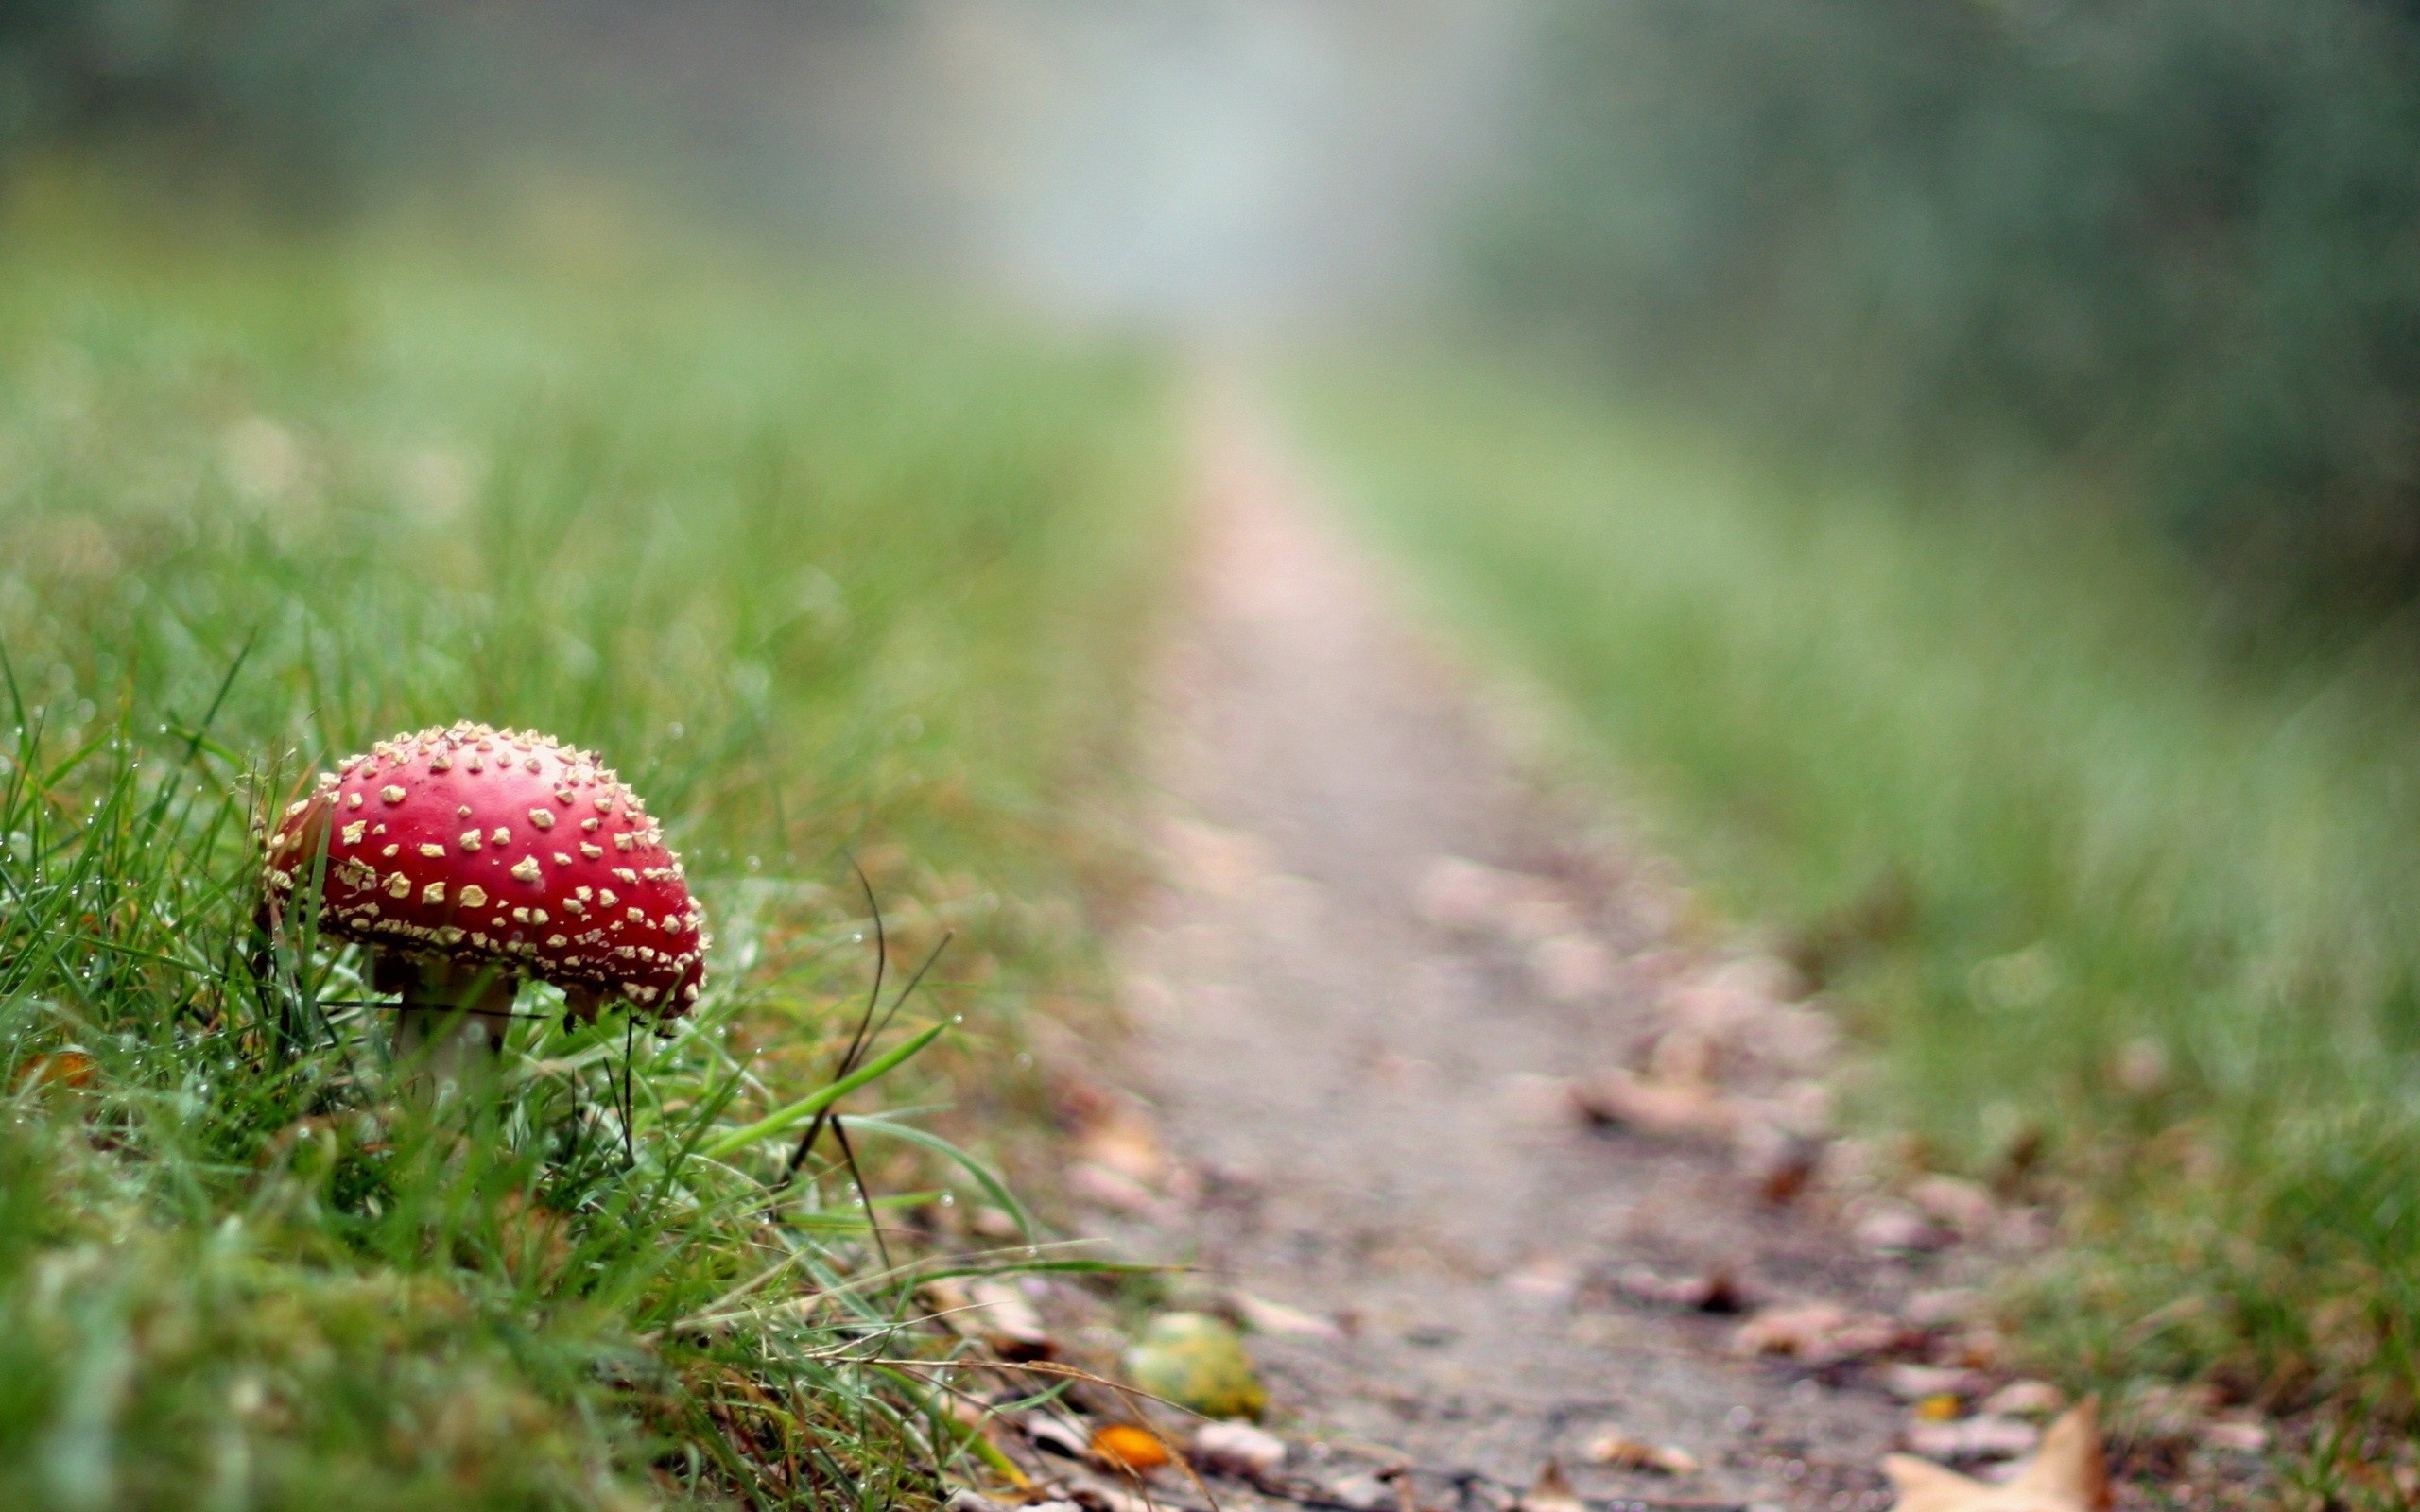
<point x="469" y="858"/>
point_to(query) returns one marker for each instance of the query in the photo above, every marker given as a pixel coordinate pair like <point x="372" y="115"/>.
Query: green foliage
<point x="813" y="568"/>
<point x="286" y="78"/>
<point x="2167" y="244"/>
<point x="2081" y="884"/>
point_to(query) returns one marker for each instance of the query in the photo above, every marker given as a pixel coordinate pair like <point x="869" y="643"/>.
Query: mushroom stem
<point x="453" y="1019"/>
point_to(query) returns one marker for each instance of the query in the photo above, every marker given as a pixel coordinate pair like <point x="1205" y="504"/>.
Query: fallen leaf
<point x="1685" y="1056"/>
<point x="1979" y="1438"/>
<point x="1960" y="1204"/>
<point x="1717" y="1290"/>
<point x="967" y="1500"/>
<point x="2172" y="1413"/>
<point x="1056" y="1433"/>
<point x="1121" y="1137"/>
<point x="1453" y="893"/>
<point x="994" y="1223"/>
<point x="1535" y="912"/>
<point x="2066" y="1475"/>
<point x="1095" y="1497"/>
<point x="1127" y="1448"/>
<point x="1817" y="1333"/>
<point x="1940" y="1408"/>
<point x="1677" y="1110"/>
<point x="2026" y="1399"/>
<point x="1895" y="1226"/>
<point x="1262" y="1315"/>
<point x="1943" y="1305"/>
<point x="1238" y="1449"/>
<point x="1223" y="862"/>
<point x="1572" y="967"/>
<point x="2241" y="1434"/>
<point x="1778" y="1162"/>
<point x="1093" y="1182"/>
<point x="1626" y="1454"/>
<point x="1545" y="1280"/>
<point x="1553" y="1493"/>
<point x="65" y="1068"/>
<point x="1007" y="1321"/>
<point x="1913" y="1383"/>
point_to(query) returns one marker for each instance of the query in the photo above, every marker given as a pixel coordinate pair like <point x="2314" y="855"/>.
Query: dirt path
<point x="1355" y="1042"/>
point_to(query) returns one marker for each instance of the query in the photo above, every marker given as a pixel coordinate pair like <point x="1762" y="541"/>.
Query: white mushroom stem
<point x="454" y="1016"/>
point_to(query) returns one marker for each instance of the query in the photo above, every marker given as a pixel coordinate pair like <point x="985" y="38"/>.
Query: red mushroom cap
<point x="500" y="846"/>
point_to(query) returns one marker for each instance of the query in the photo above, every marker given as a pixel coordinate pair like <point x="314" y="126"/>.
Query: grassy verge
<point x="816" y="569"/>
<point x="2075" y="876"/>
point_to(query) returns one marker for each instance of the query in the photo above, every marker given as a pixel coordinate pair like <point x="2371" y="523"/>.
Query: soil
<point x="1384" y="959"/>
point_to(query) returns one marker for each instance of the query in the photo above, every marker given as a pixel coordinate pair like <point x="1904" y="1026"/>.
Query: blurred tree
<point x="2176" y="242"/>
<point x="279" y="81"/>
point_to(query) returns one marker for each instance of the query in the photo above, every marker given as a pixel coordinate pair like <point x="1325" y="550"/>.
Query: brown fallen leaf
<point x="1945" y="1435"/>
<point x="2026" y="1399"/>
<point x="1962" y="1205"/>
<point x="1674" y="1110"/>
<point x="1553" y="1493"/>
<point x="1895" y="1226"/>
<point x="1098" y="1498"/>
<point x="1056" y="1433"/>
<point x="1626" y="1454"/>
<point x="1718" y="1291"/>
<point x="1456" y="894"/>
<point x="1121" y="1137"/>
<point x="1542" y="1280"/>
<point x="65" y="1068"/>
<point x="1778" y="1162"/>
<point x="1913" y="1382"/>
<point x="1004" y="1319"/>
<point x="2068" y="1474"/>
<point x="2241" y="1434"/>
<point x="1262" y="1315"/>
<point x="1104" y="1188"/>
<point x="1816" y="1332"/>
<point x="1943" y="1306"/>
<point x="1569" y="968"/>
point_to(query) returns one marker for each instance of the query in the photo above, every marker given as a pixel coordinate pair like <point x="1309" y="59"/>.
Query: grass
<point x="826" y="574"/>
<point x="2083" y="881"/>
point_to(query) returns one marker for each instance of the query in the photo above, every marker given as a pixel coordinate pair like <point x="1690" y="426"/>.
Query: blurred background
<point x="1182" y="162"/>
<point x="1956" y="462"/>
<point x="2165" y="247"/>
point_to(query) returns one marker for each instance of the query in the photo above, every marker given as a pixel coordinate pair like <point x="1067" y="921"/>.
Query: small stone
<point x="1363" y="1493"/>
<point x="1238" y="1449"/>
<point x="2241" y="1436"/>
<point x="1887" y="1225"/>
<point x="1943" y="1305"/>
<point x="1913" y="1382"/>
<point x="1960" y="1204"/>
